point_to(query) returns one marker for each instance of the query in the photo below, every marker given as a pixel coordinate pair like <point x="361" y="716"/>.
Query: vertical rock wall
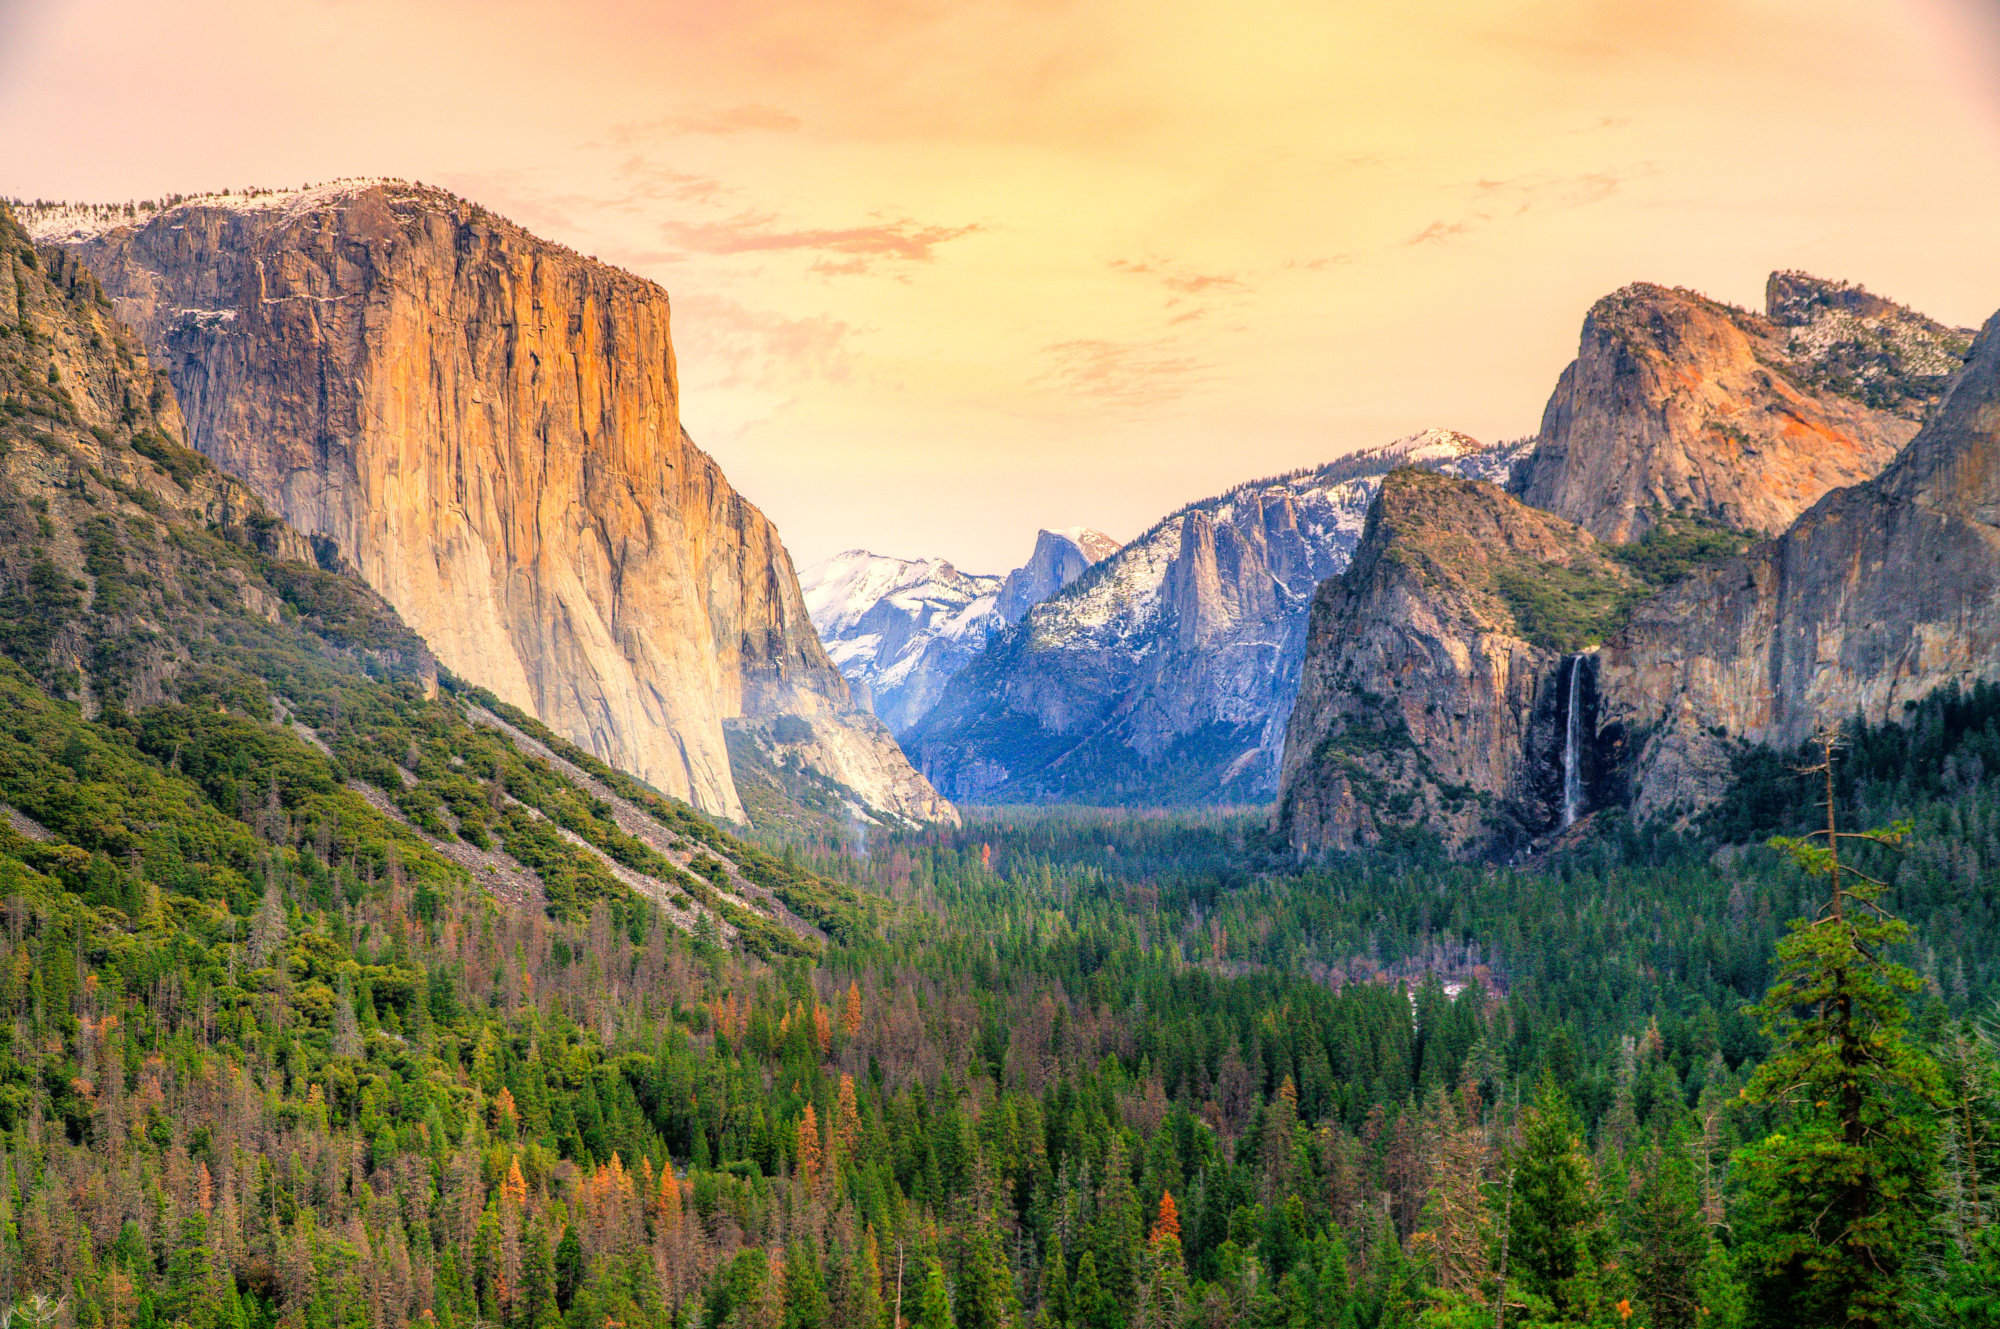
<point x="488" y="426"/>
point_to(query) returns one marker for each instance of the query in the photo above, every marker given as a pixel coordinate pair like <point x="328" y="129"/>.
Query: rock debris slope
<point x="487" y="425"/>
<point x="901" y="628"/>
<point x="1678" y="402"/>
<point x="1165" y="673"/>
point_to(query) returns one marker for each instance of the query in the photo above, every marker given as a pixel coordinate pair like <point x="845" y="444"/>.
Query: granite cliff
<point x="1631" y="679"/>
<point x="1164" y="673"/>
<point x="1435" y="691"/>
<point x="1879" y="595"/>
<point x="1679" y="403"/>
<point x="125" y="557"/>
<point x="901" y="628"/>
<point x="487" y="426"/>
<point x="1059" y="558"/>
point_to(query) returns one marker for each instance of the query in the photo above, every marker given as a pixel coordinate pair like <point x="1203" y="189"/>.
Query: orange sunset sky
<point x="946" y="272"/>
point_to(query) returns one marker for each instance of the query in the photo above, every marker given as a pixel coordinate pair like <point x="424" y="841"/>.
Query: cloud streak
<point x="1122" y="375"/>
<point x="903" y="239"/>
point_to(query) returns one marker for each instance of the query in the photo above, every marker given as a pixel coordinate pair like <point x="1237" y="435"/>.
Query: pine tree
<point x="1835" y="1208"/>
<point x="934" y="1308"/>
<point x="538" y="1279"/>
<point x="1054" y="1310"/>
<point x="1669" y="1241"/>
<point x="1091" y="1305"/>
<point x="568" y="1267"/>
<point x="805" y="1291"/>
<point x="986" y="1298"/>
<point x="1556" y="1236"/>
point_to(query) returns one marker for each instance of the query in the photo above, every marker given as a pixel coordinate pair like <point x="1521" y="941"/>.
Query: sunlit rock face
<point x="488" y="426"/>
<point x="1678" y="403"/>
<point x="1877" y="596"/>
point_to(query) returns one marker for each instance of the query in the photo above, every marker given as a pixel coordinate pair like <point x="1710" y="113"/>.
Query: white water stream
<point x="1572" y="728"/>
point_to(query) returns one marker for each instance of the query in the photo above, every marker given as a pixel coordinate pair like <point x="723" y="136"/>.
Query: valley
<point x="456" y="872"/>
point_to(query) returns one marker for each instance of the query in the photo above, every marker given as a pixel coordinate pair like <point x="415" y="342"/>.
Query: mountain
<point x="200" y="713"/>
<point x="486" y="425"/>
<point x="1164" y="674"/>
<point x="1878" y="596"/>
<point x="1435" y="663"/>
<point x="1659" y="658"/>
<point x="1060" y="557"/>
<point x="900" y="628"/>
<point x="1680" y="403"/>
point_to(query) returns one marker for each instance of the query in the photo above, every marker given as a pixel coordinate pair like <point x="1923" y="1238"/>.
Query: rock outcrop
<point x="1879" y="595"/>
<point x="1678" y="403"/>
<point x="1060" y="557"/>
<point x="132" y="571"/>
<point x="900" y="629"/>
<point x="487" y="426"/>
<point x="1434" y="691"/>
<point x="1164" y="674"/>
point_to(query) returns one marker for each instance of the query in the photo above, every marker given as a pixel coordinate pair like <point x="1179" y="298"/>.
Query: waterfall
<point x="1572" y="727"/>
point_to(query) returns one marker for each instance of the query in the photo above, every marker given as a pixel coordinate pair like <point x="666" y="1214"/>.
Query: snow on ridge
<point x="61" y="222"/>
<point x="1118" y="603"/>
<point x="840" y="591"/>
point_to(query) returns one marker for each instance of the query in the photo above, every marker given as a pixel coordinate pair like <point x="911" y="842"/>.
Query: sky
<point x="947" y="271"/>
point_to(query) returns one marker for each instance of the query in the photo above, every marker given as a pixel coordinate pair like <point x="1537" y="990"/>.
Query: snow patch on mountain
<point x="900" y="628"/>
<point x="1166" y="672"/>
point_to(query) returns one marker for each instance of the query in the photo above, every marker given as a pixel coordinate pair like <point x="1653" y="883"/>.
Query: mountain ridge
<point x="1165" y="671"/>
<point x="486" y="424"/>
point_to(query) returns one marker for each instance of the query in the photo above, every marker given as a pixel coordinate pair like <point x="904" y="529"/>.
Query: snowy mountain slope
<point x="902" y="627"/>
<point x="1166" y="672"/>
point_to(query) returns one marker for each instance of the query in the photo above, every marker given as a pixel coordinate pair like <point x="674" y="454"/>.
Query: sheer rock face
<point x="1877" y="596"/>
<point x="1677" y="402"/>
<point x="1421" y="701"/>
<point x="1060" y="557"/>
<point x="1163" y="675"/>
<point x="487" y="424"/>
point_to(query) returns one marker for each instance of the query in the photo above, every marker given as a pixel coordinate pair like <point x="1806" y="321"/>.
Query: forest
<point x="263" y="1067"/>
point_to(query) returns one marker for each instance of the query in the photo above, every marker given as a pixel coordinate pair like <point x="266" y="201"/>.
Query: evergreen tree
<point x="1053" y="1313"/>
<point x="568" y="1267"/>
<point x="1091" y="1305"/>
<point x="1556" y="1243"/>
<point x="537" y="1300"/>
<point x="934" y="1308"/>
<point x="1835" y="1209"/>
<point x="1669" y="1241"/>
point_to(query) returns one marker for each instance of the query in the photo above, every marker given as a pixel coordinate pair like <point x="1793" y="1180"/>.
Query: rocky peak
<point x="1839" y="338"/>
<point x="1876" y="597"/>
<point x="1059" y="558"/>
<point x="488" y="426"/>
<point x="1434" y="690"/>
<point x="1678" y="403"/>
<point x="1165" y="673"/>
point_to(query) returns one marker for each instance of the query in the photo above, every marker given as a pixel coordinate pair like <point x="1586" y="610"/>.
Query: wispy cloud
<point x="737" y="346"/>
<point x="705" y="120"/>
<point x="903" y="239"/>
<point x="1174" y="277"/>
<point x="1491" y="201"/>
<point x="1437" y="233"/>
<point x="1124" y="375"/>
